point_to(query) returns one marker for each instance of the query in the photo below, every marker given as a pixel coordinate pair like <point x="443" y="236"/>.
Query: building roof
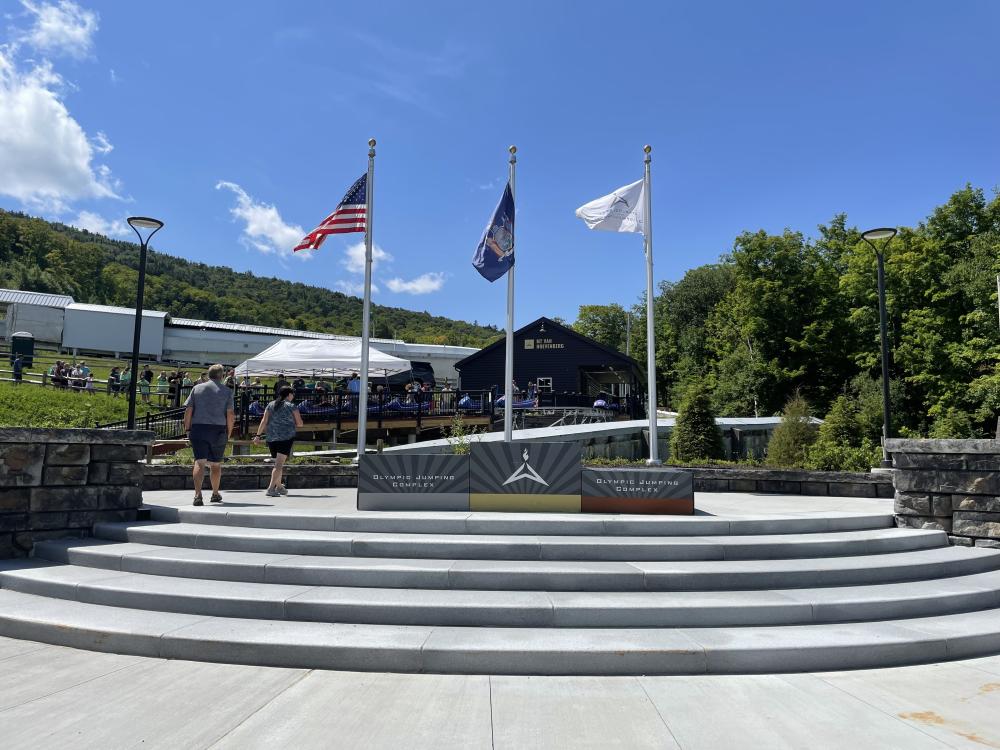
<point x="111" y="310"/>
<point x="549" y="323"/>
<point x="41" y="299"/>
<point x="219" y="325"/>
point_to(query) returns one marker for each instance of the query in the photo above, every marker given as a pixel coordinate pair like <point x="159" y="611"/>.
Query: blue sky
<point x="239" y="123"/>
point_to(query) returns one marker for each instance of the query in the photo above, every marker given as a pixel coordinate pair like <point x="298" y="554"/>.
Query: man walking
<point x="208" y="420"/>
<point x="18" y="367"/>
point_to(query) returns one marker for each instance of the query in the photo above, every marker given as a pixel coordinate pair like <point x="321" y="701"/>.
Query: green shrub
<point x="790" y="442"/>
<point x="695" y="436"/>
<point x="841" y="443"/>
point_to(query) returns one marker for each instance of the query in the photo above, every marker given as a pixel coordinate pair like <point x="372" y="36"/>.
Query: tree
<point x="604" y="323"/>
<point x="695" y="436"/>
<point x="791" y="440"/>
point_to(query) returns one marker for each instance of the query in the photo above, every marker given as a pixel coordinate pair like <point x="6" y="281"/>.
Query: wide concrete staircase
<point x="510" y="593"/>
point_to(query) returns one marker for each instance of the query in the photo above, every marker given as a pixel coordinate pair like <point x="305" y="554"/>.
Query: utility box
<point x="22" y="343"/>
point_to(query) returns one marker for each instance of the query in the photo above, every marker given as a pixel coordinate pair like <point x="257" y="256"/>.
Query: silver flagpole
<point x="366" y="315"/>
<point x="650" y="342"/>
<point x="508" y="400"/>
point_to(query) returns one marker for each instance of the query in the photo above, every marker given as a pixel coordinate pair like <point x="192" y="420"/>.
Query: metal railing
<point x="337" y="407"/>
<point x="167" y="424"/>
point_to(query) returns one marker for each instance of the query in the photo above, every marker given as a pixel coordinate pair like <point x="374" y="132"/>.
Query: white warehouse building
<point x="103" y="329"/>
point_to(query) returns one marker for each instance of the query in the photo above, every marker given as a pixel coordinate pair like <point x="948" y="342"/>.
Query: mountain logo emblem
<point x="525" y="471"/>
<point x="619" y="199"/>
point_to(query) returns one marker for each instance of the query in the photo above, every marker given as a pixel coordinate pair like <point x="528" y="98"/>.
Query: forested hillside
<point x="43" y="256"/>
<point x="786" y="312"/>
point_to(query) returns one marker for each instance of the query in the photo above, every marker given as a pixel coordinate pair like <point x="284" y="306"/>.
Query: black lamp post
<point x="139" y="223"/>
<point x="873" y="236"/>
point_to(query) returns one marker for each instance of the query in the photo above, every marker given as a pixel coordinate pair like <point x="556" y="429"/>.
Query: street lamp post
<point x="139" y="223"/>
<point x="873" y="236"/>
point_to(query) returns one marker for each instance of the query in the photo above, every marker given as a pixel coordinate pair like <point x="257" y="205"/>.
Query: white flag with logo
<point x="622" y="211"/>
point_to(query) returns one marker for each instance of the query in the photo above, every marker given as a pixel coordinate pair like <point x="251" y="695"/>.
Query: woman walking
<point x="280" y="422"/>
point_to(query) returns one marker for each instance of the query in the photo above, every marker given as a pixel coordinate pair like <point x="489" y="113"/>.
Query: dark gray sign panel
<point x="412" y="481"/>
<point x="637" y="491"/>
<point x="525" y="476"/>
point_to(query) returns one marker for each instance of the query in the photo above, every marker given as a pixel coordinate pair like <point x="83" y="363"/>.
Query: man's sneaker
<point x="282" y="489"/>
<point x="216" y="497"/>
<point x="198" y="500"/>
<point x="274" y="492"/>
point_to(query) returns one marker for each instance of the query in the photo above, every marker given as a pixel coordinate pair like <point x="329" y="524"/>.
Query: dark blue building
<point x="557" y="359"/>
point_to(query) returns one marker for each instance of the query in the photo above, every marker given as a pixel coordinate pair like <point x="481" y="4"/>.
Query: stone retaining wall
<point x="252" y="476"/>
<point x="952" y="485"/>
<point x="57" y="483"/>
<point x="706" y="479"/>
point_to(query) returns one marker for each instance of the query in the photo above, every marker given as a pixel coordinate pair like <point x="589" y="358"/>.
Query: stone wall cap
<point x="89" y="436"/>
<point x="927" y="445"/>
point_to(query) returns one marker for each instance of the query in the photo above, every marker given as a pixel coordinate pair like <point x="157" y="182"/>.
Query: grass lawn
<point x="34" y="406"/>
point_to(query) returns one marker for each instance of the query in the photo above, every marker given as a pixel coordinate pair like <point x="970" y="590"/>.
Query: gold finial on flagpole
<point x="371" y="143"/>
<point x="513" y="150"/>
<point x="647" y="148"/>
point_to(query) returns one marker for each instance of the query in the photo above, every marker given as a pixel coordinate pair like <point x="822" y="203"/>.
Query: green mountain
<point x="46" y="256"/>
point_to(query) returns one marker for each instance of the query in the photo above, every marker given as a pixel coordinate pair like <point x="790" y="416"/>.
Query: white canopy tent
<point x="315" y="356"/>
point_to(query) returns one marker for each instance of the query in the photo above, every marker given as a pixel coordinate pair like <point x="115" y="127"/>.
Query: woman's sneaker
<point x="282" y="489"/>
<point x="273" y="492"/>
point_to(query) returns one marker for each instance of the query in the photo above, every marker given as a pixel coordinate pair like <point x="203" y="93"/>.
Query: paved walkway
<point x="54" y="697"/>
<point x="344" y="500"/>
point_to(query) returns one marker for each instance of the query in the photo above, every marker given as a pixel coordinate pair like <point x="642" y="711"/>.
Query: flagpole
<point x="508" y="399"/>
<point x="650" y="342"/>
<point x="366" y="314"/>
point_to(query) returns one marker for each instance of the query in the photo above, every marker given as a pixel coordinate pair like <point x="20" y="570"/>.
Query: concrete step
<point x="522" y="575"/>
<point x="521" y="547"/>
<point x="457" y="607"/>
<point x="546" y="524"/>
<point x="498" y="650"/>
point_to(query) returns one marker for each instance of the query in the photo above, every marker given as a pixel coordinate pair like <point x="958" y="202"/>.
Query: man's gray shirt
<point x="210" y="402"/>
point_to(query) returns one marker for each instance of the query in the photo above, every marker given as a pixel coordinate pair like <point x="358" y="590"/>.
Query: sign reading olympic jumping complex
<point x="518" y="477"/>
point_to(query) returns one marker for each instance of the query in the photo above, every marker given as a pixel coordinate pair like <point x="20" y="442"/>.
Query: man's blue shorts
<point x="208" y="441"/>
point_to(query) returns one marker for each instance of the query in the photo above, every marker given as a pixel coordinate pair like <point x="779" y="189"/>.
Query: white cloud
<point x="101" y="144"/>
<point x="423" y="284"/>
<point x="46" y="154"/>
<point x="99" y="225"/>
<point x="357" y="288"/>
<point x="355" y="260"/>
<point x="60" y="28"/>
<point x="264" y="228"/>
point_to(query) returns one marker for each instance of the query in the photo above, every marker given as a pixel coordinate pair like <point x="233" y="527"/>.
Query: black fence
<point x="336" y="407"/>
<point x="167" y="424"/>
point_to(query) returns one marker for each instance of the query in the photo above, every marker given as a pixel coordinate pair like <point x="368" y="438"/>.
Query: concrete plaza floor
<point x="55" y="697"/>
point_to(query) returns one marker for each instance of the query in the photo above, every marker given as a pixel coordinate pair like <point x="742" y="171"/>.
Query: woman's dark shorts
<point x="208" y="441"/>
<point x="283" y="447"/>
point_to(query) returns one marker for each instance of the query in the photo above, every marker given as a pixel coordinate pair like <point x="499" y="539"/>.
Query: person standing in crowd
<point x="280" y="383"/>
<point x="279" y="424"/>
<point x="18" y="368"/>
<point x="89" y="384"/>
<point x="208" y="420"/>
<point x="114" y="381"/>
<point x="162" y="388"/>
<point x="84" y="369"/>
<point x="144" y="386"/>
<point x="298" y="384"/>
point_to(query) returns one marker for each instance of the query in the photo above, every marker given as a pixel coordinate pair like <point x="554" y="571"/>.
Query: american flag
<point x="349" y="216"/>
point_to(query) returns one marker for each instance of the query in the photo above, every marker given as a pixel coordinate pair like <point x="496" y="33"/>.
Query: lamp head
<point x="882" y="233"/>
<point x="144" y="223"/>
